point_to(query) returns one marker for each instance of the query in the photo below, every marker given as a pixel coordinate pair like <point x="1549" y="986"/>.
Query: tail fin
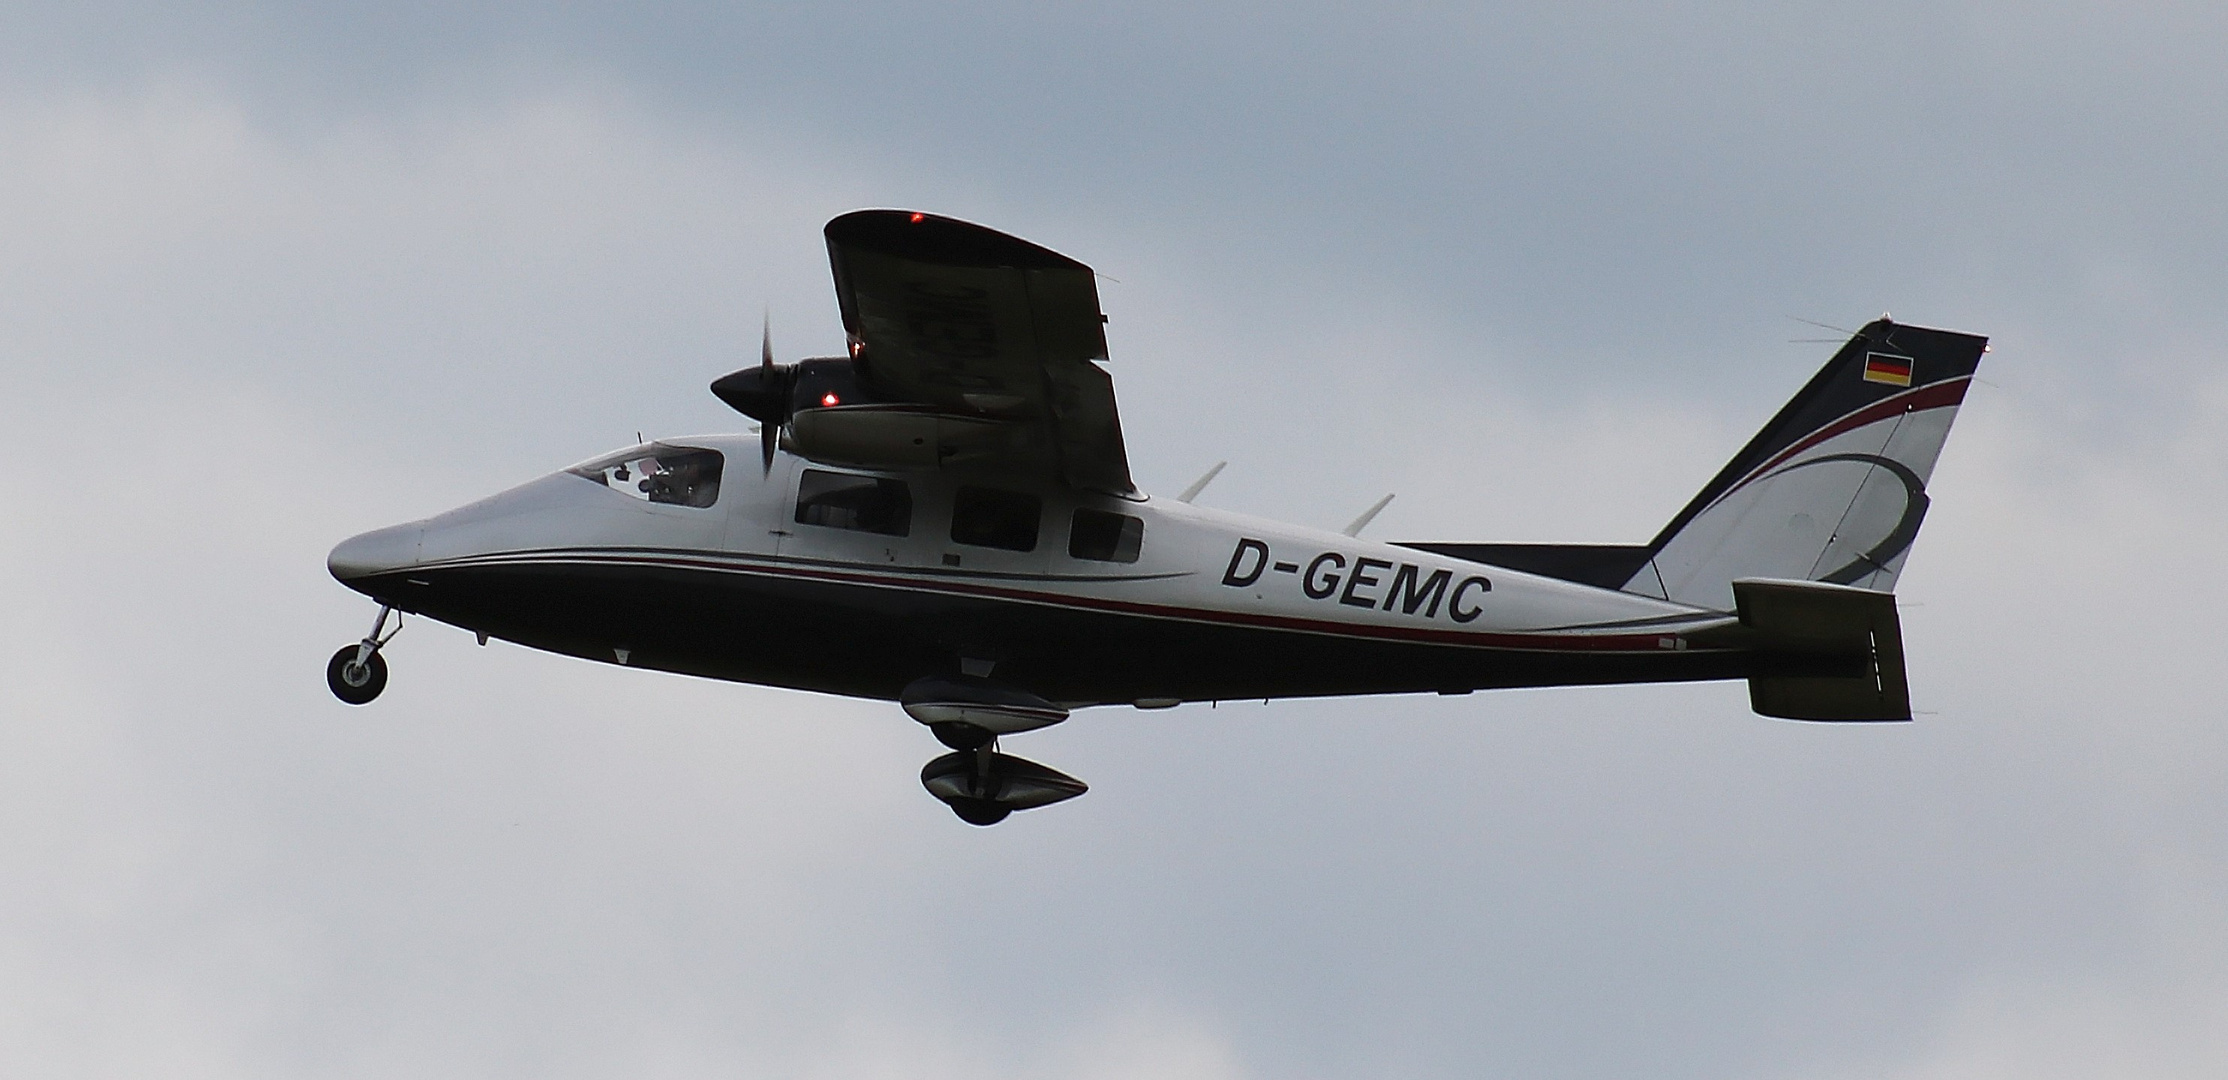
<point x="1834" y="488"/>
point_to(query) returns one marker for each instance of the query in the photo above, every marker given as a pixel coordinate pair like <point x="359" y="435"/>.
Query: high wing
<point x="972" y="322"/>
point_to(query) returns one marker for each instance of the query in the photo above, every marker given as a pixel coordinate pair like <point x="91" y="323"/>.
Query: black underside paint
<point x="871" y="640"/>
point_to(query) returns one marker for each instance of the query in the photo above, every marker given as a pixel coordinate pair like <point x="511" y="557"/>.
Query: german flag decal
<point x="1887" y="368"/>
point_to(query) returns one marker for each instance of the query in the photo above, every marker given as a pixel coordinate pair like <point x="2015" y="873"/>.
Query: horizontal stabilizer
<point x="1807" y="634"/>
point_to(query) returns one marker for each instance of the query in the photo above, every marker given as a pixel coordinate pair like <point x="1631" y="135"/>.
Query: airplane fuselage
<point x="945" y="517"/>
<point x="810" y="577"/>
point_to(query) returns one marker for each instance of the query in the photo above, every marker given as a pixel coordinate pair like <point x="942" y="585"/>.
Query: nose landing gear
<point x="357" y="673"/>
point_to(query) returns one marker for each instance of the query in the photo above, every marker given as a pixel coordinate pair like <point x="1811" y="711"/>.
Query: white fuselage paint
<point x="1194" y="563"/>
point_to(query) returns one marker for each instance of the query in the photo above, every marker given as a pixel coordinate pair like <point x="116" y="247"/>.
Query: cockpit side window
<point x="673" y="475"/>
<point x="861" y="503"/>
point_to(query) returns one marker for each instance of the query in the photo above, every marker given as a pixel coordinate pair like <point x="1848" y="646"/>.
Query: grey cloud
<point x="1601" y="182"/>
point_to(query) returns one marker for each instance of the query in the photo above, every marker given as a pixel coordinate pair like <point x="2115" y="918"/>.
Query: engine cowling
<point x="894" y="436"/>
<point x="820" y="410"/>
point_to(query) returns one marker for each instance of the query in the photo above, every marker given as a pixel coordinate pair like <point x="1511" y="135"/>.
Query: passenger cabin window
<point x="1102" y="536"/>
<point x="674" y="475"/>
<point x="860" y="503"/>
<point x="988" y="517"/>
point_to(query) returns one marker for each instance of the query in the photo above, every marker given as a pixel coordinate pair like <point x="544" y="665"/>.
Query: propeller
<point x="761" y="393"/>
<point x="769" y="434"/>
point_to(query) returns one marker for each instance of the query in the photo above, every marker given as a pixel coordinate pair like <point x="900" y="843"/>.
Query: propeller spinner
<point x="763" y="394"/>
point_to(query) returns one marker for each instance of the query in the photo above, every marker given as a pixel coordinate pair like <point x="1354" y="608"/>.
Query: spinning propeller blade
<point x="761" y="392"/>
<point x="769" y="432"/>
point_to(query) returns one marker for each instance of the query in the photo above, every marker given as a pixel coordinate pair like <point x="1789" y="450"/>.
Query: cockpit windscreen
<point x="674" y="475"/>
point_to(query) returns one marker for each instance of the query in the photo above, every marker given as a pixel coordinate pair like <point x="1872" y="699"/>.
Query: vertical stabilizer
<point x="1833" y="489"/>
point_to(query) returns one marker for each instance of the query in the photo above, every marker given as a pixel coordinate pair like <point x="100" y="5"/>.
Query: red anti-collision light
<point x="828" y="399"/>
<point x="916" y="217"/>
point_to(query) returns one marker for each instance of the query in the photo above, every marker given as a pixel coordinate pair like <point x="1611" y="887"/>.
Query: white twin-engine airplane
<point x="945" y="518"/>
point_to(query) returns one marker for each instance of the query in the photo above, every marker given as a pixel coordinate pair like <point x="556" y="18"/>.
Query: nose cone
<point x="380" y="551"/>
<point x="761" y="393"/>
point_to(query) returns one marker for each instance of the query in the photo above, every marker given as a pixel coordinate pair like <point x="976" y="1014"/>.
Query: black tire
<point x="980" y="811"/>
<point x="354" y="685"/>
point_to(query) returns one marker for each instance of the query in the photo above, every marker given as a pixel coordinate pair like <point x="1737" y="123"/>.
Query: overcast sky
<point x="271" y="275"/>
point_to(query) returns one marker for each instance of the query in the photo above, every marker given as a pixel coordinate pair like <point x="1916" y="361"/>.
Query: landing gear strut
<point x="357" y="673"/>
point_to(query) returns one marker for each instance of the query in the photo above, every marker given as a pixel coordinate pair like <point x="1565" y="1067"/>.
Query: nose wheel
<point x="357" y="673"/>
